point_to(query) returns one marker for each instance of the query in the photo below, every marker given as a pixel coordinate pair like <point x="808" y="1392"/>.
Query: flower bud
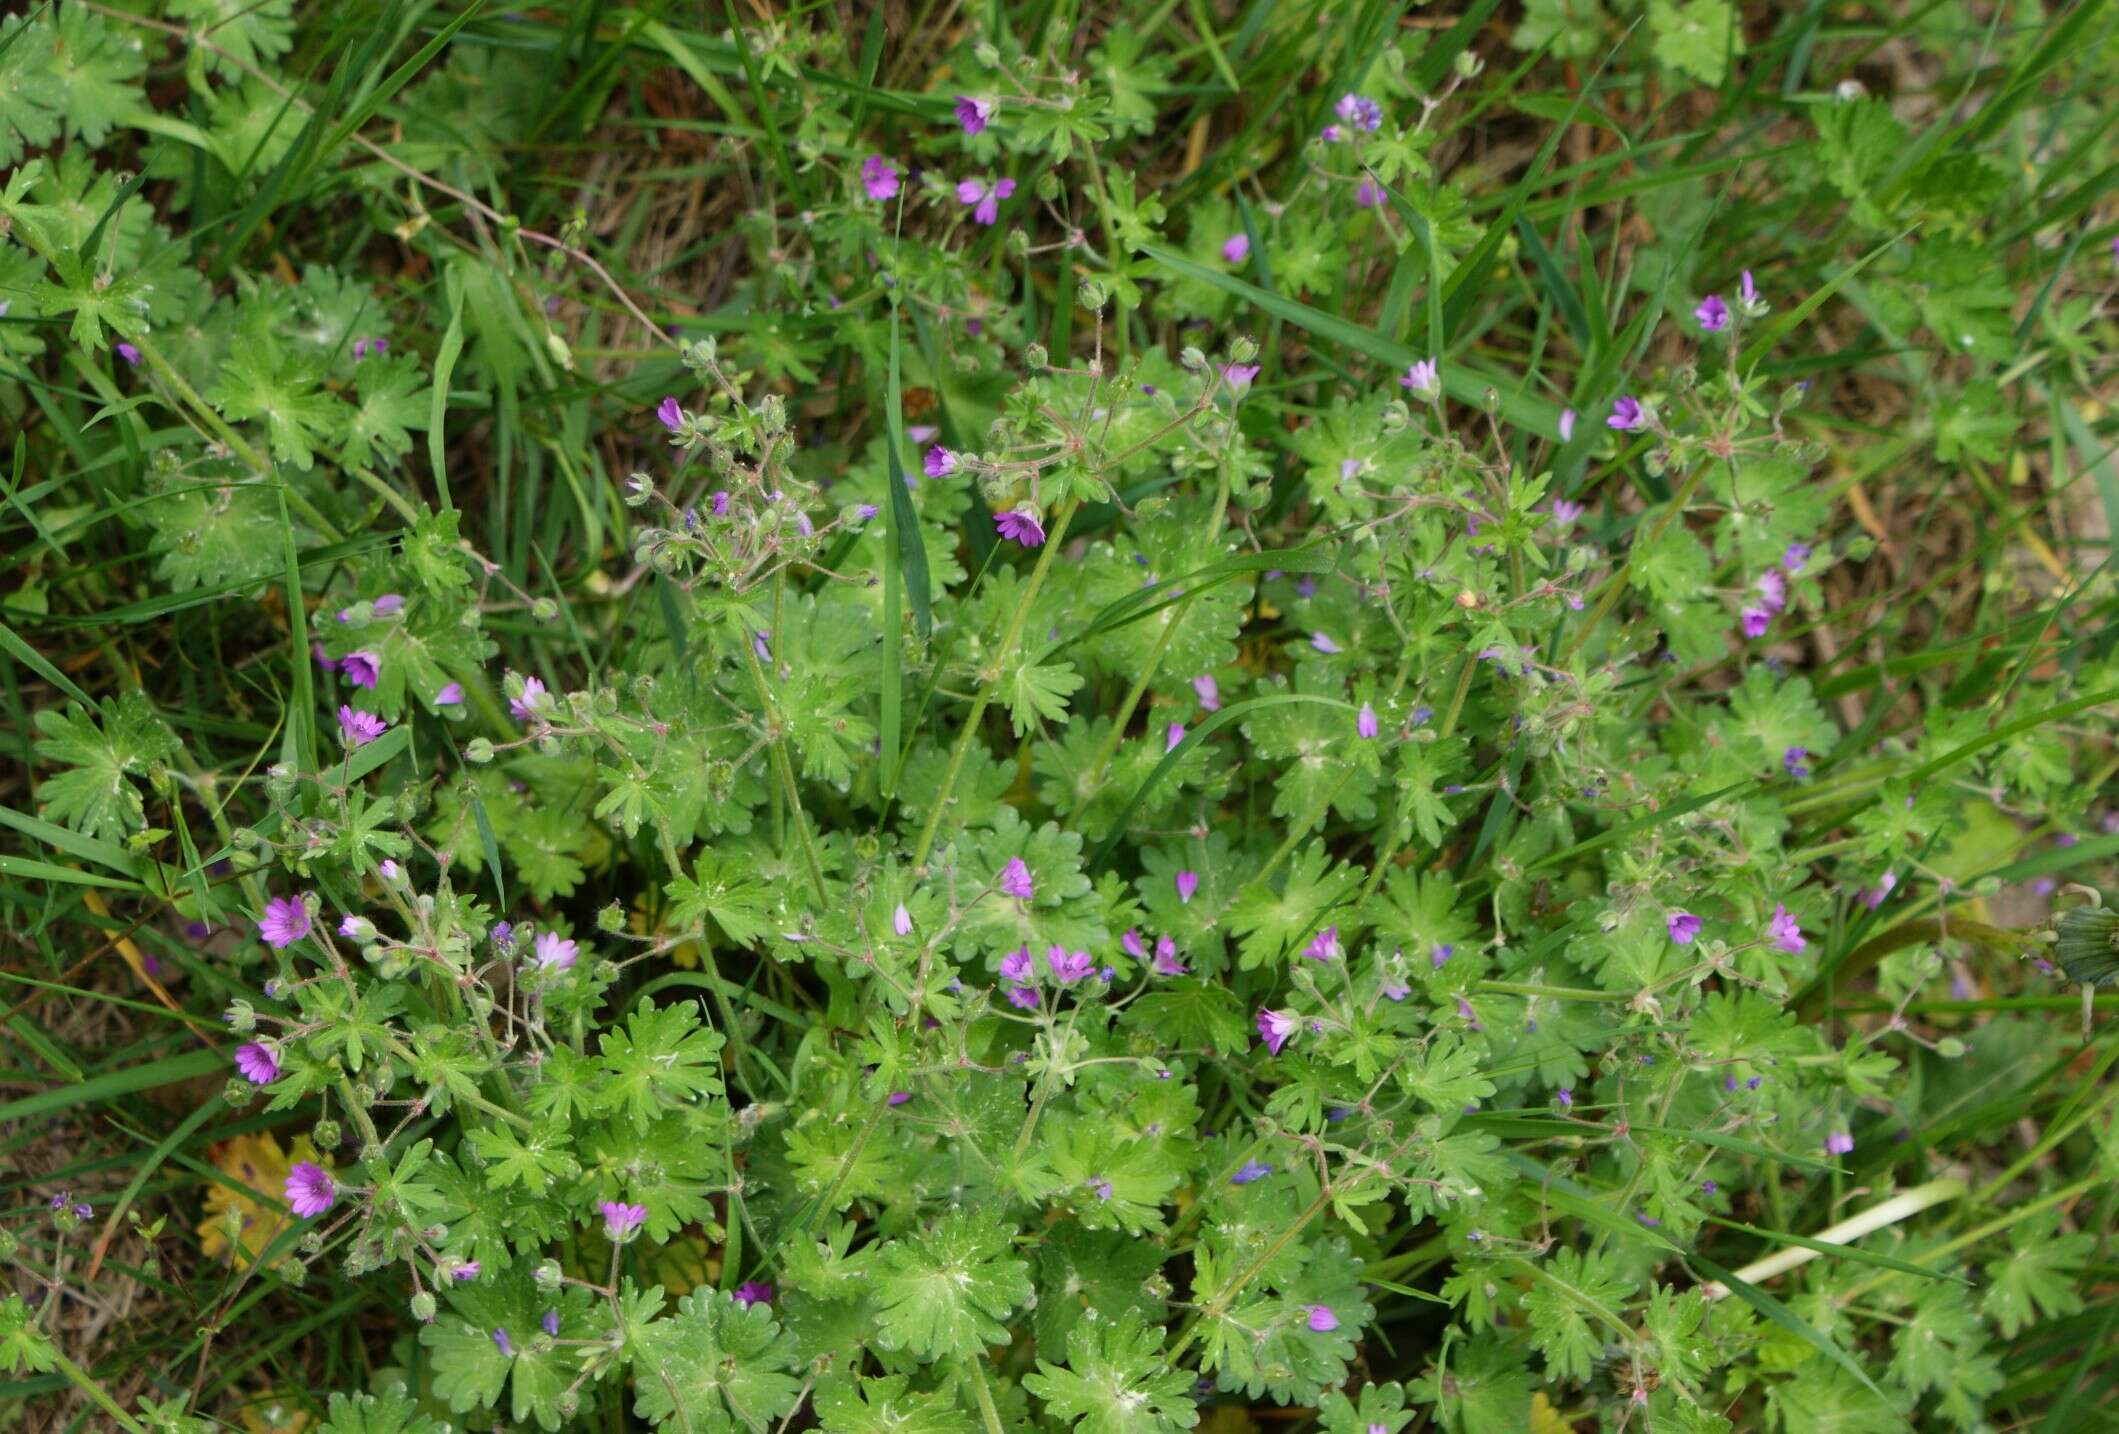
<point x="241" y="1017"/>
<point x="478" y="750"/>
<point x="611" y="918"/>
<point x="546" y="1275"/>
<point x="326" y="1135"/>
<point x="544" y="610"/>
<point x="638" y="489"/>
<point x="1035" y="357"/>
<point x="423" y="1306"/>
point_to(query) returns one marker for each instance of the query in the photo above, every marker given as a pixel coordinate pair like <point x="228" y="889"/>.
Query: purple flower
<point x="1101" y="1188"/>
<point x="1423" y="378"/>
<point x="1323" y="644"/>
<point x="1239" y="376"/>
<point x="357" y="728"/>
<point x="1023" y="997"/>
<point x="1565" y="1096"/>
<point x="752" y="1292"/>
<point x="973" y="114"/>
<point x="1236" y="248"/>
<point x="1015" y="880"/>
<point x="1324" y="946"/>
<point x="1130" y="944"/>
<point x="1793" y="557"/>
<point x="1166" y="962"/>
<point x="1773" y="590"/>
<point x="363" y="347"/>
<point x="502" y="1343"/>
<point x="866" y="511"/>
<point x="464" y="1270"/>
<point x="1365" y="723"/>
<point x="1249" y="1171"/>
<point x="718" y="504"/>
<point x="1783" y="931"/>
<point x="1626" y="414"/>
<point x="1839" y="1142"/>
<point x="502" y="936"/>
<point x="901" y="920"/>
<point x="1795" y="761"/>
<point x="1565" y="513"/>
<point x="1439" y="953"/>
<point x="879" y="178"/>
<point x="939" y="463"/>
<point x="1755" y="621"/>
<point x="1359" y="112"/>
<point x="897" y="1097"/>
<point x="451" y="695"/>
<point x="388" y="604"/>
<point x="1875" y="898"/>
<point x="286" y="921"/>
<point x="1746" y="291"/>
<point x="1712" y="313"/>
<point x="620" y="1220"/>
<point x="1322" y="1320"/>
<point x="1016" y="966"/>
<point x="130" y="354"/>
<point x="1019" y="525"/>
<point x="527" y="707"/>
<point x="550" y="1323"/>
<point x="1330" y="134"/>
<point x="1368" y="194"/>
<point x="1274" y="1028"/>
<point x="1186" y="883"/>
<point x="309" y="1190"/>
<point x="257" y="1064"/>
<point x="1208" y="691"/>
<point x="361" y="668"/>
<point x="670" y="414"/>
<point x="1567" y="424"/>
<point x="554" y="952"/>
<point x="1066" y="967"/>
<point x="1173" y="735"/>
<point x="329" y="664"/>
<point x="986" y="197"/>
<point x="761" y="643"/>
<point x="1682" y="926"/>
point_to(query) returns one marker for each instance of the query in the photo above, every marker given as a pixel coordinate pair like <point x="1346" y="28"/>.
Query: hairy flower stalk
<point x="988" y="677"/>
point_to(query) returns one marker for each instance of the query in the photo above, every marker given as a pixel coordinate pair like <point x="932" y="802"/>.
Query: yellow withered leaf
<point x="257" y="1165"/>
